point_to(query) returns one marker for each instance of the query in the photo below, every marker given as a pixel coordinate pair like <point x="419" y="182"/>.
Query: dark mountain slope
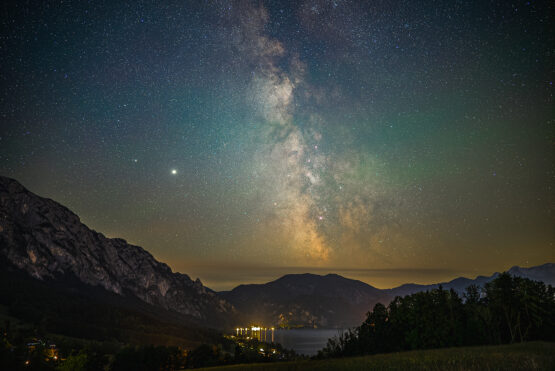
<point x="306" y="300"/>
<point x="335" y="301"/>
<point x="49" y="242"/>
<point x="71" y="308"/>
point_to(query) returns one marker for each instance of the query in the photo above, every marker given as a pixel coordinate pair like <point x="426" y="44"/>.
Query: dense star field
<point x="389" y="141"/>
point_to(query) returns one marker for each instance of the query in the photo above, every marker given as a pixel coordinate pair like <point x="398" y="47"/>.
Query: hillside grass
<point x="523" y="356"/>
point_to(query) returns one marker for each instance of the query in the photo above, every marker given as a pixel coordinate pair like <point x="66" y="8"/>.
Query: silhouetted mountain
<point x="335" y="301"/>
<point x="544" y="273"/>
<point x="306" y="300"/>
<point x="48" y="241"/>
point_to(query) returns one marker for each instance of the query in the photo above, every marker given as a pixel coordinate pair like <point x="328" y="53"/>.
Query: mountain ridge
<point x="305" y="300"/>
<point x="544" y="272"/>
<point x="276" y="302"/>
<point x="47" y="240"/>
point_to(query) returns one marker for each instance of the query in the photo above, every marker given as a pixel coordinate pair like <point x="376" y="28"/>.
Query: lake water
<point x="305" y="341"/>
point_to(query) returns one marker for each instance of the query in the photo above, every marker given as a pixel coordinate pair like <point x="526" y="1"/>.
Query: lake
<point x="305" y="341"/>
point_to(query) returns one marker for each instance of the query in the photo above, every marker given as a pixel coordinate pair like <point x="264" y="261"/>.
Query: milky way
<point x="388" y="141"/>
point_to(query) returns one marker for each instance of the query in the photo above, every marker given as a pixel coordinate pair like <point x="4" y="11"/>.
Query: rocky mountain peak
<point x="48" y="241"/>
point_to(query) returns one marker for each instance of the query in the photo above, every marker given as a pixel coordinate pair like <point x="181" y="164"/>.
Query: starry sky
<point x="237" y="141"/>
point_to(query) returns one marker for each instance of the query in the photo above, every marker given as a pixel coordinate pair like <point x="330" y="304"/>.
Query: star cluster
<point x="272" y="137"/>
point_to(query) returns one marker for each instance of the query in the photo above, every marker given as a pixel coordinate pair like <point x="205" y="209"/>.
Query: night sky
<point x="387" y="141"/>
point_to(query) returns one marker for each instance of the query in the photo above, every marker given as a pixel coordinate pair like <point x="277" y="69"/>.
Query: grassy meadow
<point x="522" y="356"/>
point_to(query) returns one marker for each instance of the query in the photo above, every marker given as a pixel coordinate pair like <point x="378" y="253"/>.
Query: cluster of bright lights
<point x="254" y="328"/>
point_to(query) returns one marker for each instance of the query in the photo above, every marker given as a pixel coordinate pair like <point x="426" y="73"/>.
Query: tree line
<point x="506" y="310"/>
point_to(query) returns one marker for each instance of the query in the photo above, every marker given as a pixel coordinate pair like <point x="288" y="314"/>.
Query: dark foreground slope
<point x="515" y="357"/>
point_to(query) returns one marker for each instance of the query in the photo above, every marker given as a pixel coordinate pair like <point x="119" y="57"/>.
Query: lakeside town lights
<point x="261" y="333"/>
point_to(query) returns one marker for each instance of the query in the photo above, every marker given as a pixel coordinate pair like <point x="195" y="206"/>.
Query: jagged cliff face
<point x="47" y="240"/>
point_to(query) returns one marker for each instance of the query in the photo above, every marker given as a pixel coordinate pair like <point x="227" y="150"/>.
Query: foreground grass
<point x="526" y="356"/>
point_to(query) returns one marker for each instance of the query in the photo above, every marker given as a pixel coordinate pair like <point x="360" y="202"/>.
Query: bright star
<point x="174" y="171"/>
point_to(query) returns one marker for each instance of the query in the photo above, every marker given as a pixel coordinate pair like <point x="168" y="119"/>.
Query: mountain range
<point x="334" y="301"/>
<point x="46" y="252"/>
